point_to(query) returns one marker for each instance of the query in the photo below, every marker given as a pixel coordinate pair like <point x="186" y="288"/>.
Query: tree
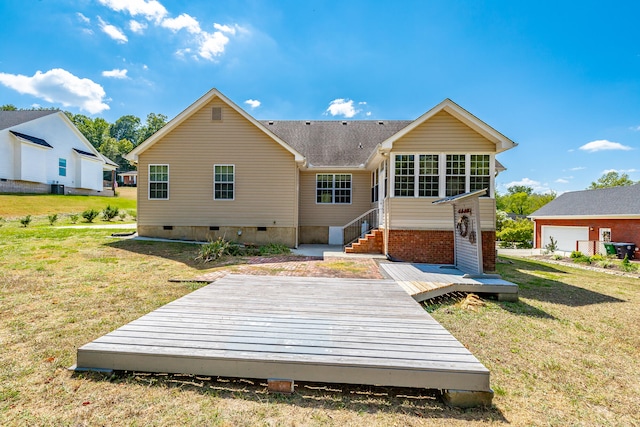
<point x="521" y="200"/>
<point x="115" y="150"/>
<point x="126" y="127"/>
<point x="95" y="130"/>
<point x="520" y="189"/>
<point x="611" y="179"/>
<point x="154" y="123"/>
<point x="8" y="107"/>
<point x="519" y="232"/>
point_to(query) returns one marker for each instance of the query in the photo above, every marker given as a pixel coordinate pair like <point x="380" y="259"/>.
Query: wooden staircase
<point x="371" y="243"/>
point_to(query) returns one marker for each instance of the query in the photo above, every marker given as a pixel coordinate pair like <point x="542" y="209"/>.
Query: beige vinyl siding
<point x="265" y="174"/>
<point x="320" y="214"/>
<point x="443" y="133"/>
<point x="422" y="214"/>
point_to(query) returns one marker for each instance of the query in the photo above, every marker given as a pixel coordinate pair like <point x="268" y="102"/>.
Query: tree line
<point x="113" y="140"/>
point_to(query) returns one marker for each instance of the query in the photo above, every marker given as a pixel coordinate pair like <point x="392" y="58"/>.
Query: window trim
<point x="233" y="182"/>
<point x="333" y="189"/>
<point x="155" y="182"/>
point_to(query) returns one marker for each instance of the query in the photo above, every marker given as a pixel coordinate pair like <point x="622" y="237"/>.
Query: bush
<point x="90" y="215"/>
<point x="25" y="221"/>
<point x="552" y="246"/>
<point x="577" y="254"/>
<point x="110" y="212"/>
<point x="53" y="218"/>
<point x="74" y="218"/>
<point x="628" y="266"/>
<point x="133" y="214"/>
<point x="274" y="249"/>
<point x="122" y="215"/>
<point x="580" y="258"/>
<point x="519" y="232"/>
<point x="213" y="250"/>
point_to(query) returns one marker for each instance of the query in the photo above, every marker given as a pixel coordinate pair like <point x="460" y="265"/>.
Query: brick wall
<point x="435" y="247"/>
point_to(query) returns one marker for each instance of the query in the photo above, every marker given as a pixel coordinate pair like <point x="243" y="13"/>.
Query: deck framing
<point x="353" y="331"/>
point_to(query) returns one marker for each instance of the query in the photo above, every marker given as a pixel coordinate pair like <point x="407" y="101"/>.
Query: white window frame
<point x="233" y="182"/>
<point x="333" y="189"/>
<point x="442" y="173"/>
<point x="157" y="182"/>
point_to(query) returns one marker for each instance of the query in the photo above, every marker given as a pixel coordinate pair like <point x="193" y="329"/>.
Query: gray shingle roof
<point x="34" y="139"/>
<point x="13" y="118"/>
<point x="332" y="142"/>
<point x="600" y="202"/>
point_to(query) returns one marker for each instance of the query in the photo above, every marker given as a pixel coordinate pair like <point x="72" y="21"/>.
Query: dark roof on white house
<point x="14" y="118"/>
<point x="33" y="139"/>
<point x="85" y="153"/>
<point x="613" y="201"/>
<point x="333" y="142"/>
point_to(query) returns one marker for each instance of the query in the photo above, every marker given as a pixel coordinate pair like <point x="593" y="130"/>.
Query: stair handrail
<point x="371" y="225"/>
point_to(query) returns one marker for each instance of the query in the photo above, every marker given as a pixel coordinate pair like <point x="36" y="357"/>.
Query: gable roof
<point x="32" y="139"/>
<point x="602" y="202"/>
<point x="334" y="143"/>
<point x="502" y="142"/>
<point x="192" y="109"/>
<point x="14" y="118"/>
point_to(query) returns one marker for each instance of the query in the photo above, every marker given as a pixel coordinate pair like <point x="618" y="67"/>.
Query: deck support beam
<point x="467" y="398"/>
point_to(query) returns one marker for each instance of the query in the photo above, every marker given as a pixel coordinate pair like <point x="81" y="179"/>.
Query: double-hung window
<point x="62" y="167"/>
<point x="333" y="188"/>
<point x="480" y="173"/>
<point x="159" y="182"/>
<point x="223" y="182"/>
<point x="428" y="177"/>
<point x="405" y="180"/>
<point x="455" y="180"/>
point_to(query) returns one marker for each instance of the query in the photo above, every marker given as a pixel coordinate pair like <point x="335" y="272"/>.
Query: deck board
<point x="307" y="329"/>
<point x="424" y="281"/>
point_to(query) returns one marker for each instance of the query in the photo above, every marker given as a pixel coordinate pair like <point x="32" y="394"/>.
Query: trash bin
<point x="610" y="249"/>
<point x="623" y="249"/>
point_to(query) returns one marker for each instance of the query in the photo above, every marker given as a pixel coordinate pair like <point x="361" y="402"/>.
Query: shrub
<point x="519" y="232"/>
<point x="605" y="263"/>
<point x="25" y="221"/>
<point x="580" y="258"/>
<point x="122" y="215"/>
<point x="627" y="265"/>
<point x="274" y="249"/>
<point x="133" y="214"/>
<point x="74" y="218"/>
<point x="213" y="250"/>
<point x="552" y="246"/>
<point x="576" y="254"/>
<point x="90" y="214"/>
<point x="53" y="218"/>
<point x="110" y="212"/>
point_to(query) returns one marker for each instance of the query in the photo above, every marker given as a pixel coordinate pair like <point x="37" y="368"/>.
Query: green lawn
<point x="565" y="354"/>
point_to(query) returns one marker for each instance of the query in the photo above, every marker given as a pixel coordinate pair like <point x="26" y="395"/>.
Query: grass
<point x="13" y="206"/>
<point x="565" y="354"/>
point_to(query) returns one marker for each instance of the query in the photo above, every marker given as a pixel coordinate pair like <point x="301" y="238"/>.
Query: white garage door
<point x="566" y="237"/>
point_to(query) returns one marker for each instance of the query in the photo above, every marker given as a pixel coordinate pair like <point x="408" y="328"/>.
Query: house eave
<point x="579" y="217"/>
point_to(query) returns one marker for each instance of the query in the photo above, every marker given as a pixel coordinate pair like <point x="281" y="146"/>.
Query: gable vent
<point x="344" y="123"/>
<point x="380" y="122"/>
<point x="270" y="122"/>
<point x="307" y="122"/>
<point x="216" y="114"/>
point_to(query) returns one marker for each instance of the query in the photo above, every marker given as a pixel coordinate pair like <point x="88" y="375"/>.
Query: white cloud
<point x="208" y="45"/>
<point x="212" y="45"/>
<point x="635" y="128"/>
<point x="83" y="18"/>
<point x="183" y="21"/>
<point x="253" y="103"/>
<point x="342" y="107"/>
<point x="579" y="168"/>
<point x="149" y="9"/>
<point x="603" y="144"/>
<point x="59" y="86"/>
<point x="537" y="186"/>
<point x="112" y="31"/>
<point x="115" y="73"/>
<point x="562" y="181"/>
<point x="225" y="28"/>
<point x="137" y="27"/>
<point x="627" y="171"/>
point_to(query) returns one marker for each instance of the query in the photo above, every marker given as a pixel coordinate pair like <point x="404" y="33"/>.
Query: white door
<point x="566" y="237"/>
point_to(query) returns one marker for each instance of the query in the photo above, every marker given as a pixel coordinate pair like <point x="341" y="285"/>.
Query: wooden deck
<point x="425" y="281"/>
<point x="301" y="328"/>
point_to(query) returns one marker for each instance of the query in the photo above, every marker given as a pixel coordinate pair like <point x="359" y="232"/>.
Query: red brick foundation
<point x="435" y="247"/>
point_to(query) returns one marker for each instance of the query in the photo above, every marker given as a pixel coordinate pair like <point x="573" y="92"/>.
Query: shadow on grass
<point x="418" y="403"/>
<point x="519" y="308"/>
<point x="187" y="252"/>
<point x="544" y="282"/>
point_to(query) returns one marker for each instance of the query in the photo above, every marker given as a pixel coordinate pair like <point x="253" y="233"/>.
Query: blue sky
<point x="561" y="78"/>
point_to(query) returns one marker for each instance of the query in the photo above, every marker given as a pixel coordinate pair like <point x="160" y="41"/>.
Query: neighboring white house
<point x="43" y="152"/>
